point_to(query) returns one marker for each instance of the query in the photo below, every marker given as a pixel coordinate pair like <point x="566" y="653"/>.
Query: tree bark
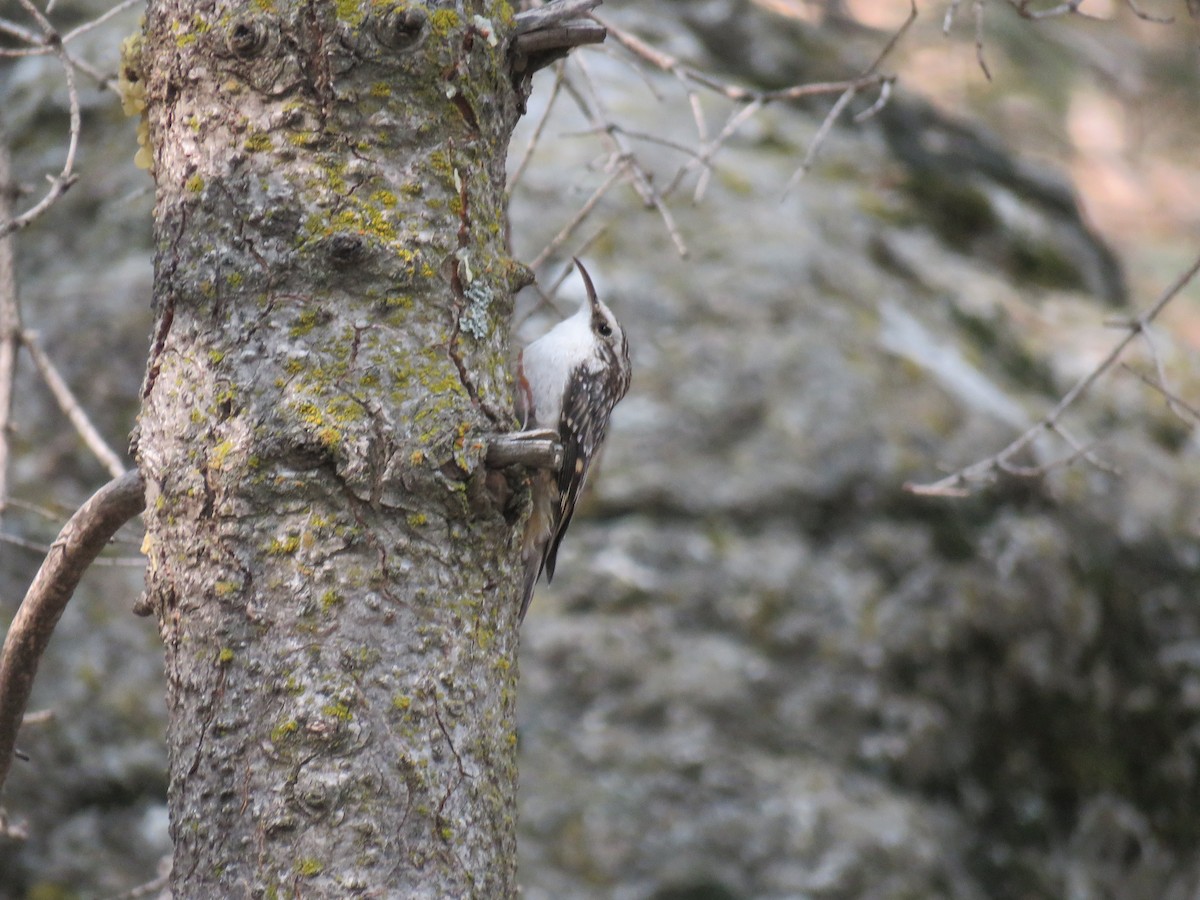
<point x="334" y="572"/>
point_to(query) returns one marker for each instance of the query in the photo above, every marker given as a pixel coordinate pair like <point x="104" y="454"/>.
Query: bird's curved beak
<point x="592" y="299"/>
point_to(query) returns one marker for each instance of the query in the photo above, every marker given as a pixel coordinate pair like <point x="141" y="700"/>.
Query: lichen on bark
<point x="332" y="571"/>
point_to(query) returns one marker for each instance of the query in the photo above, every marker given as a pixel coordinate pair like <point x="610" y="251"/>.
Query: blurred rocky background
<point x="766" y="670"/>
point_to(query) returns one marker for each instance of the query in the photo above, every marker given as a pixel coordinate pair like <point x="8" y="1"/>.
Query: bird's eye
<point x="605" y="329"/>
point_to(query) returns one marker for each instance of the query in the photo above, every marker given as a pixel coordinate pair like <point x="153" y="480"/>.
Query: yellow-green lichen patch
<point x="401" y="702"/>
<point x="503" y="11"/>
<point x="351" y="11"/>
<point x="259" y="142"/>
<point x="305" y="323"/>
<point x="194" y="185"/>
<point x="384" y="198"/>
<point x="225" y="657"/>
<point x="339" y="711"/>
<point x="309" y="867"/>
<point x="283" y="730"/>
<point x="330" y="599"/>
<point x="219" y="453"/>
<point x="443" y="21"/>
<point x="284" y="546"/>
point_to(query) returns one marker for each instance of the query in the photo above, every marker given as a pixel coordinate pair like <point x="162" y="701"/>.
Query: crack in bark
<point x="168" y="314"/>
<point x="460" y="300"/>
<point x="440" y="816"/>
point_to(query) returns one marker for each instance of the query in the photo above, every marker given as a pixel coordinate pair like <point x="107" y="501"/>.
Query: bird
<point x="568" y="380"/>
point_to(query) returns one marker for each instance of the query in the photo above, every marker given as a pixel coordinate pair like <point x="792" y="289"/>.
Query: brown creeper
<point x="568" y="380"/>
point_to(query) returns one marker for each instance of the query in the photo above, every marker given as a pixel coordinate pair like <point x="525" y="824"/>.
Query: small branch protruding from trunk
<point x="539" y="449"/>
<point x="80" y="541"/>
<point x="548" y="33"/>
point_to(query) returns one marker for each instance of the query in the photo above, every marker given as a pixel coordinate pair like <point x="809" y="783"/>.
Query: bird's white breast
<point x="548" y="361"/>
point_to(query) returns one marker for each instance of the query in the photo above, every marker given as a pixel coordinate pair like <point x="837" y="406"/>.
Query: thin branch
<point x="588" y="100"/>
<point x="71" y="408"/>
<point x="753" y="100"/>
<point x="536" y="136"/>
<point x="1182" y="411"/>
<point x="21" y="33"/>
<point x="869" y="77"/>
<point x="10" y="323"/>
<point x="708" y="151"/>
<point x="987" y="73"/>
<point x="984" y="471"/>
<point x="1069" y="7"/>
<point x="59" y="184"/>
<point x="582" y="213"/>
<point x="593" y="107"/>
<point x="132" y="562"/>
<point x="1187" y="413"/>
<point x="545" y="296"/>
<point x="614" y="128"/>
<point x="44" y="511"/>
<point x="831" y="117"/>
<point x="1157" y="20"/>
<point x="80" y="541"/>
<point x="100" y="20"/>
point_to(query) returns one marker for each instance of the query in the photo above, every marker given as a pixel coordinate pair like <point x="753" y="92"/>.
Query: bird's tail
<point x="538" y="531"/>
<point x="533" y="568"/>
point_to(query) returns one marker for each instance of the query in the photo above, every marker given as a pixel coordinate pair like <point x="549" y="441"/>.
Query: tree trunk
<point x="334" y="573"/>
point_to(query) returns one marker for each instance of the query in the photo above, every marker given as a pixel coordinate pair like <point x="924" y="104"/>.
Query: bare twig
<point x="831" y="117"/>
<point x="99" y="20"/>
<point x="71" y="408"/>
<point x="158" y="886"/>
<point x="59" y="184"/>
<point x="22" y="34"/>
<point x="79" y="542"/>
<point x="870" y="77"/>
<point x="587" y="98"/>
<point x="984" y="471"/>
<point x="582" y="213"/>
<point x="1067" y="8"/>
<point x="10" y="323"/>
<point x="1157" y="20"/>
<point x="1180" y="407"/>
<point x="116" y="562"/>
<point x="987" y="73"/>
<point x="536" y="136"/>
<point x="593" y="108"/>
<point x="752" y="101"/>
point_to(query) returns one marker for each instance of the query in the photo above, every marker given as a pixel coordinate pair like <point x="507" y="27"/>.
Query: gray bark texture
<point x="332" y="570"/>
